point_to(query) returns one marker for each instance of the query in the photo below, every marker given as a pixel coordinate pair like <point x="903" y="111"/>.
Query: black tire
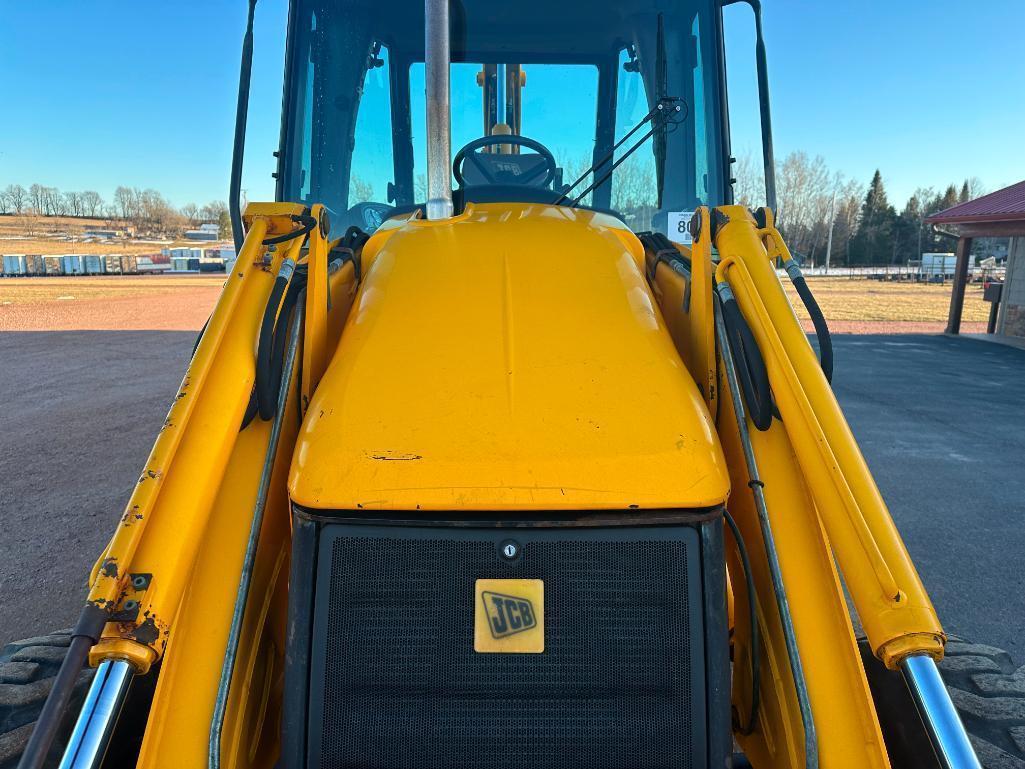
<point x="27" y="669"/>
<point x="989" y="693"/>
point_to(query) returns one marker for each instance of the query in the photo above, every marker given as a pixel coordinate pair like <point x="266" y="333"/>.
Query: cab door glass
<point x="372" y="162"/>
<point x="634" y="189"/>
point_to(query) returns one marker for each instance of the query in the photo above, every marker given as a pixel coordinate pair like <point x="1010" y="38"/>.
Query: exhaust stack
<point x="437" y="55"/>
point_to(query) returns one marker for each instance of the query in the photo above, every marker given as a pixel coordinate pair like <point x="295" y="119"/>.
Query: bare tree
<point x="191" y="213"/>
<point x="53" y="202"/>
<point x="845" y="220"/>
<point x="92" y="204"/>
<point x="360" y="190"/>
<point x="36" y="198"/>
<point x="976" y="189"/>
<point x="73" y="203"/>
<point x="749" y="187"/>
<point x="804" y="191"/>
<point x="5" y="204"/>
<point x="126" y="203"/>
<point x="212" y="211"/>
<point x="634" y="193"/>
<point x="17" y="197"/>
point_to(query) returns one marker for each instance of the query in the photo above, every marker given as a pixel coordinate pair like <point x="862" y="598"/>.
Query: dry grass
<point x="35" y="291"/>
<point x="868" y="300"/>
<point x="183" y="301"/>
<point x="57" y="235"/>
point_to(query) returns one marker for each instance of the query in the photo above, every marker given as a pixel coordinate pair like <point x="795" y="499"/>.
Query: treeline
<point x="146" y="211"/>
<point x="867" y="228"/>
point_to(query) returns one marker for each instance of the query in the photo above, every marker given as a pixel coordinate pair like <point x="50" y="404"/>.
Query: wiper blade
<point x="669" y="110"/>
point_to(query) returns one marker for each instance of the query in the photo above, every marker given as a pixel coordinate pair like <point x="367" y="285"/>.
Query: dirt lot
<point x="115" y="303"/>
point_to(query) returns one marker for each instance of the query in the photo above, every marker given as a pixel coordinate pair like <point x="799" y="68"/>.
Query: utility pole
<point x="829" y="240"/>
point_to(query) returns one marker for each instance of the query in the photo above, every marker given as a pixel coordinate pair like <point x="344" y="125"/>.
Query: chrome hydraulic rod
<point x="939" y="715"/>
<point x="811" y="747"/>
<point x="98" y="717"/>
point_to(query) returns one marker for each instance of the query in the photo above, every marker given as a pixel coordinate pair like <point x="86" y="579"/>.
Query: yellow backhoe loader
<point x="530" y="471"/>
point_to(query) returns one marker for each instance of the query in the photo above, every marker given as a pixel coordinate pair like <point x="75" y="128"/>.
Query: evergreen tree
<point x="874" y="242"/>
<point x="966" y="193"/>
<point x="949" y="199"/>
<point x="908" y="231"/>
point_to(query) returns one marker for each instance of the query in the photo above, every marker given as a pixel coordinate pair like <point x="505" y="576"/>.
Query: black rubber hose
<point x="819" y="321"/>
<point x="252" y="409"/>
<point x="754" y="376"/>
<point x="747" y="727"/>
<point x="308" y="223"/>
<point x="264" y="386"/>
<point x="277" y="361"/>
<point x="85" y="635"/>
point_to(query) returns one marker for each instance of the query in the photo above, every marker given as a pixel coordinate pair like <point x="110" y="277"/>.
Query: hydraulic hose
<point x="270" y="353"/>
<point x="265" y="389"/>
<point x="308" y="223"/>
<point x="822" y="334"/>
<point x="748" y="726"/>
<point x="765" y="219"/>
<point x="751" y="369"/>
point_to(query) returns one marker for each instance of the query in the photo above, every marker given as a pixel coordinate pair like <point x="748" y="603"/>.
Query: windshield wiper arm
<point x="668" y="110"/>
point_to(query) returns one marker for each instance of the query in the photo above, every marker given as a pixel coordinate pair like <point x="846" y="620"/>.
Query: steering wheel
<point x="549" y="168"/>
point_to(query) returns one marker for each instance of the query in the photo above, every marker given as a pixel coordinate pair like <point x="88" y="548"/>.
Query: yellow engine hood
<point x="510" y="358"/>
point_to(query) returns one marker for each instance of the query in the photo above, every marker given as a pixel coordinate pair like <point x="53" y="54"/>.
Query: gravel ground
<point x="81" y="411"/>
<point x="941" y="422"/>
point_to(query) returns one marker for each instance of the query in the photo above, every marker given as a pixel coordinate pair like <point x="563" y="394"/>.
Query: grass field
<point x="842" y="299"/>
<point x="184" y="302"/>
<point x="57" y="235"/>
<point x="21" y="291"/>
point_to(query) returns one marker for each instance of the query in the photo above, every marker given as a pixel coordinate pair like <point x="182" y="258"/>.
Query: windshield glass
<point x="571" y="78"/>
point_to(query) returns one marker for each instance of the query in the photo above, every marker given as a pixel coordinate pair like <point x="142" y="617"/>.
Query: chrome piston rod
<point x="98" y="717"/>
<point x="946" y="731"/>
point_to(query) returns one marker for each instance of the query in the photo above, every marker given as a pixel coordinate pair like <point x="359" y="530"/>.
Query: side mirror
<point x="768" y="157"/>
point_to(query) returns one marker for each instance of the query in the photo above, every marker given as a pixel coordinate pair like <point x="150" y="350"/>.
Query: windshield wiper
<point x="661" y="88"/>
<point x="669" y="110"/>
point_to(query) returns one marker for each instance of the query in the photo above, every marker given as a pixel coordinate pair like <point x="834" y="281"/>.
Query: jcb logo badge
<point x="509" y="616"/>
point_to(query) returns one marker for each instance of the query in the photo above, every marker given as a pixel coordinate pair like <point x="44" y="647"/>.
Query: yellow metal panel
<point x="510" y="358"/>
<point x="177" y="736"/>
<point x="315" y="352"/>
<point x="894" y="608"/>
<point x="844" y="715"/>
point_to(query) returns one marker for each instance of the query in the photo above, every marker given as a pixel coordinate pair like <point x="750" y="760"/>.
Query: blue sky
<point x="105" y="93"/>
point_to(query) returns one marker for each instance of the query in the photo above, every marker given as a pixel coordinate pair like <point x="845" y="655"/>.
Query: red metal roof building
<point x="999" y="214"/>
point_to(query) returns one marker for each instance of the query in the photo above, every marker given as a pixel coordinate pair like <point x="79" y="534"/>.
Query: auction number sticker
<point x="679" y="227"/>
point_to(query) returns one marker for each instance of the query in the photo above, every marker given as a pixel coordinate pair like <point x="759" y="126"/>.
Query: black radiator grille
<point x="396" y="681"/>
